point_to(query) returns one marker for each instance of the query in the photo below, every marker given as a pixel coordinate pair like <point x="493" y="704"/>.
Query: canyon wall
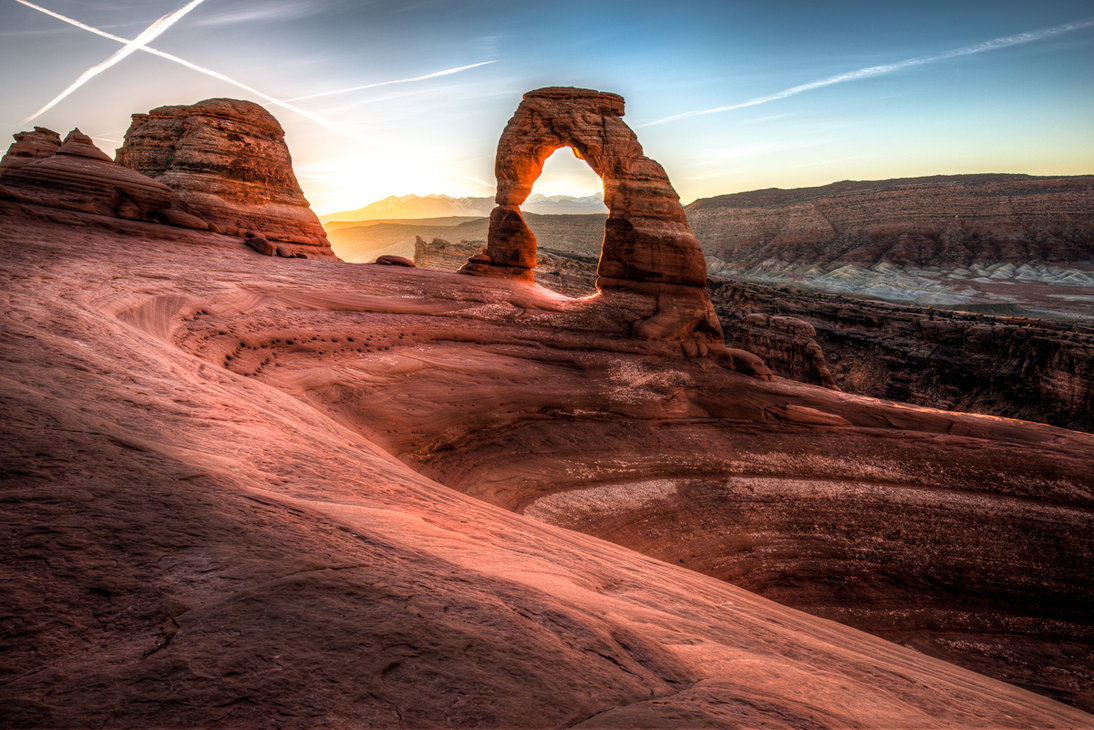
<point x="1018" y="367"/>
<point x="942" y="221"/>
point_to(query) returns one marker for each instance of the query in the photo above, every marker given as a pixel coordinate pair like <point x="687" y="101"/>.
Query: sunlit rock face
<point x="648" y="247"/>
<point x="76" y="175"/>
<point x="30" y="146"/>
<point x="228" y="158"/>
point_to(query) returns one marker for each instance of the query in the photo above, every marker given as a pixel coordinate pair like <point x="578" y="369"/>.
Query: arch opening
<point x="566" y="213"/>
<point x="650" y="262"/>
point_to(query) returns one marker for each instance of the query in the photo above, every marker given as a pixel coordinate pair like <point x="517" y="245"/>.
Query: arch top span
<point x="648" y="246"/>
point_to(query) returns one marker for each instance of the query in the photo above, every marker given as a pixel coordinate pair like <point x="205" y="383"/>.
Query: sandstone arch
<point x="648" y="246"/>
<point x="646" y="238"/>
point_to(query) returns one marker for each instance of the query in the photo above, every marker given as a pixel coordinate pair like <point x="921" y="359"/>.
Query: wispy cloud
<point x="194" y="67"/>
<point x="265" y="12"/>
<point x="871" y="71"/>
<point x="150" y="33"/>
<point x="434" y="75"/>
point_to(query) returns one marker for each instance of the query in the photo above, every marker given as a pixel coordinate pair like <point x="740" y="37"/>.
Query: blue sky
<point x="954" y="87"/>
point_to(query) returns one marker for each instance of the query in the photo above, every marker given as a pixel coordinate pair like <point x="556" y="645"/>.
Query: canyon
<point x="295" y="491"/>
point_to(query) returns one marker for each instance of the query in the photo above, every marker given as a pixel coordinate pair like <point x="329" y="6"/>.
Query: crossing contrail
<point x="193" y="66"/>
<point x="435" y="74"/>
<point x="150" y="33"/>
<point x="871" y="71"/>
<point x="228" y="80"/>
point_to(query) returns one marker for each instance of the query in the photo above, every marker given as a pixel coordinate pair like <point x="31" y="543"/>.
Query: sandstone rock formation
<point x="965" y="537"/>
<point x="30" y="146"/>
<point x="788" y="346"/>
<point x="942" y="221"/>
<point x="77" y="175"/>
<point x="648" y="252"/>
<point x="389" y="260"/>
<point x="228" y="159"/>
<point x="211" y="516"/>
<point x="1012" y="366"/>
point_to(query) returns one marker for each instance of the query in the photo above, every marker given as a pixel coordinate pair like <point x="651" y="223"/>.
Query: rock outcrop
<point x="229" y="160"/>
<point x="571" y="274"/>
<point x="77" y="175"/>
<point x="649" y="254"/>
<point x="942" y="221"/>
<point x="1012" y="366"/>
<point x="788" y="346"/>
<point x="30" y="146"/>
<point x="227" y="503"/>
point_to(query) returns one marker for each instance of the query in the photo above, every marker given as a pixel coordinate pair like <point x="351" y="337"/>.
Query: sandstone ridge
<point x="40" y="169"/>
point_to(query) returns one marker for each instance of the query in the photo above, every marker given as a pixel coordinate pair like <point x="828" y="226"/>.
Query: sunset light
<point x="384" y="102"/>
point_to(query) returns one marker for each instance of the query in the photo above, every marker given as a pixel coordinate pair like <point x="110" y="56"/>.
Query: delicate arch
<point x="646" y="237"/>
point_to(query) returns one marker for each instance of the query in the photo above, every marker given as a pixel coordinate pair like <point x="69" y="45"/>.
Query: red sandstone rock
<point x="941" y="221"/>
<point x="995" y="365"/>
<point x="79" y="176"/>
<point x="389" y="260"/>
<point x="221" y="509"/>
<point x="79" y="144"/>
<point x="787" y="345"/>
<point x="228" y="159"/>
<point x="261" y="245"/>
<point x="649" y="259"/>
<point x="29" y="146"/>
<point x="647" y="237"/>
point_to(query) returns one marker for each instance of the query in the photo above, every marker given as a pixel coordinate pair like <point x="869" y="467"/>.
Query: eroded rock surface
<point x="205" y="523"/>
<point x="30" y="146"/>
<point x="648" y="249"/>
<point x="77" y="175"/>
<point x="1018" y="367"/>
<point x="229" y="160"/>
<point x="954" y="221"/>
<point x="788" y="346"/>
<point x="943" y="240"/>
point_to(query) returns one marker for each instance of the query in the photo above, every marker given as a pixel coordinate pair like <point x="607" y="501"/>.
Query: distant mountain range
<point x="442" y="206"/>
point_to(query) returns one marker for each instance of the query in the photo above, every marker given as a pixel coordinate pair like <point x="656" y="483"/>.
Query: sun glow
<point x="568" y="174"/>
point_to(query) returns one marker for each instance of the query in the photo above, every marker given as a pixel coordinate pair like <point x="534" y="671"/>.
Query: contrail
<point x="150" y="33"/>
<point x="221" y="77"/>
<point x="193" y="66"/>
<point x="865" y="73"/>
<point x="435" y="74"/>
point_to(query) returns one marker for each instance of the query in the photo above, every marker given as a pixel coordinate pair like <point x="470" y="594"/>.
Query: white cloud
<point x="871" y="71"/>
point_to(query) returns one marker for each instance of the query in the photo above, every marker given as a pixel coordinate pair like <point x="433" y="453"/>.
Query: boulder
<point x="229" y="160"/>
<point x="261" y="245"/>
<point x="390" y="260"/>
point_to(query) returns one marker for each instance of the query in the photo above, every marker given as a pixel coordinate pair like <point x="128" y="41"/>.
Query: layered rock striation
<point x="571" y="274"/>
<point x="788" y="346"/>
<point x="1013" y="366"/>
<point x="941" y="221"/>
<point x="76" y="175"/>
<point x="649" y="253"/>
<point x="229" y="160"/>
<point x="36" y="144"/>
